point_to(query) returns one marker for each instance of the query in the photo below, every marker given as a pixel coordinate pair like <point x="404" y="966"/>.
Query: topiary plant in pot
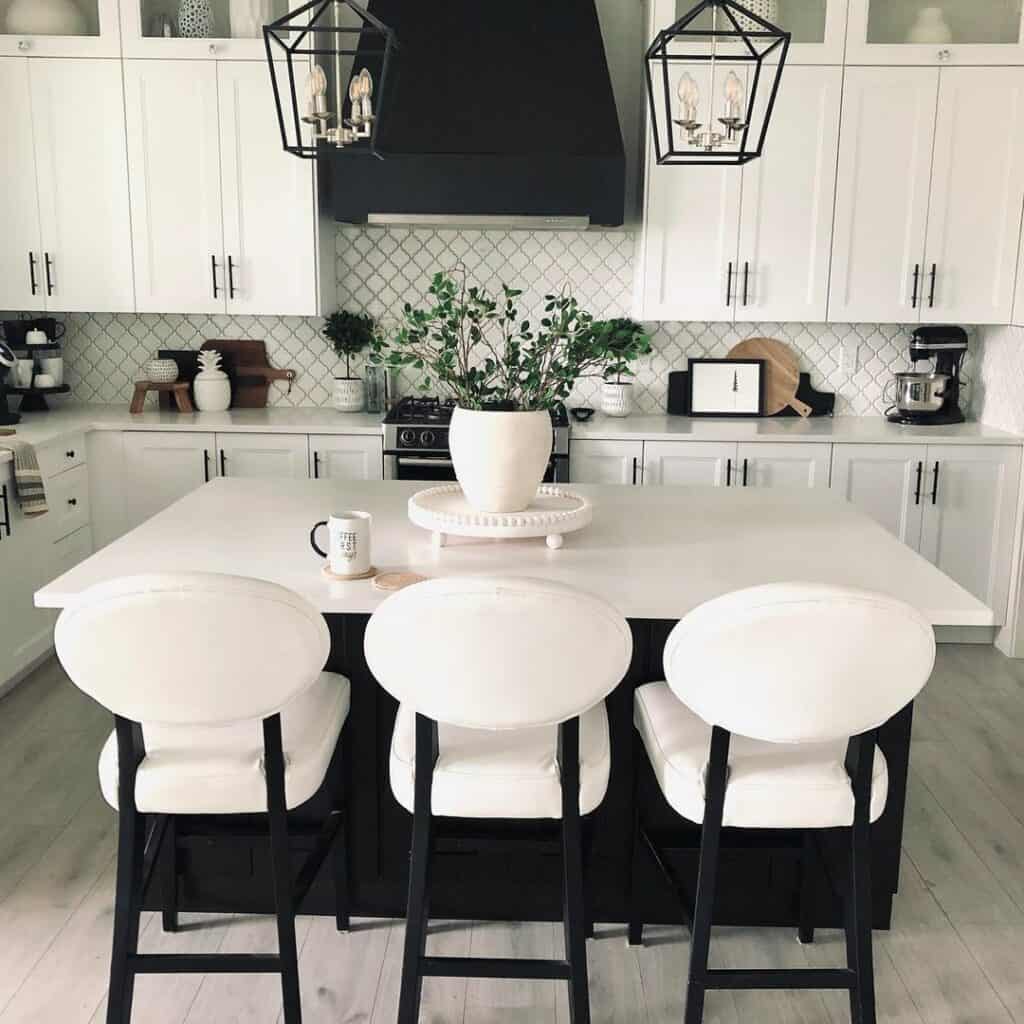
<point x="625" y="341"/>
<point x="505" y="373"/>
<point x="349" y="334"/>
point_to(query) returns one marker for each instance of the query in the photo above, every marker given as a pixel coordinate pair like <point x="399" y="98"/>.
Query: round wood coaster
<point x="392" y="581"/>
<point x="368" y="575"/>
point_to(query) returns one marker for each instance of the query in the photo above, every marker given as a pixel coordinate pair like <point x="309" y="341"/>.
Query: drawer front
<point x="72" y="549"/>
<point x="68" y="498"/>
<point x="57" y="458"/>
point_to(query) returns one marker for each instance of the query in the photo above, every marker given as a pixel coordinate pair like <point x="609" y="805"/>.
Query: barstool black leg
<point x="130" y="850"/>
<point x="805" y="928"/>
<point x="703" y="916"/>
<point x="860" y="903"/>
<point x="574" y="906"/>
<point x="284" y="900"/>
<point x="169" y="875"/>
<point x="341" y="851"/>
<point x="635" y="928"/>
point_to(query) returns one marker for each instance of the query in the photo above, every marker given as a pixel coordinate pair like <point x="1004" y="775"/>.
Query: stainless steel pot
<point x="918" y="392"/>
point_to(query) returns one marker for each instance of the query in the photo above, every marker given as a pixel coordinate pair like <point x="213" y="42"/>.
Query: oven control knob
<point x="408" y="438"/>
<point x="427" y="438"/>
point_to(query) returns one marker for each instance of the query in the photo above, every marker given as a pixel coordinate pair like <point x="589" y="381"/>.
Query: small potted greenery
<point x="505" y="373"/>
<point x="349" y="334"/>
<point x="625" y="340"/>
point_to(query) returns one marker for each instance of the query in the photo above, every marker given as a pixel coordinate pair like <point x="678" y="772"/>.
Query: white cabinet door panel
<point x="82" y="163"/>
<point x="347" y="458"/>
<point x="20" y="246"/>
<point x="269" y="203"/>
<point x="605" y="462"/>
<point x="160" y="468"/>
<point x="885" y="155"/>
<point x="690" y="463"/>
<point x="886" y="482"/>
<point x="799" y="466"/>
<point x="266" y="456"/>
<point x="976" y="196"/>
<point x="968" y="528"/>
<point x="788" y="198"/>
<point x="174" y="167"/>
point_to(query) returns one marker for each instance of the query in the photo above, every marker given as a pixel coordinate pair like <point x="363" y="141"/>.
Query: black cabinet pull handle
<point x="728" y="472"/>
<point x="213" y="274"/>
<point x="635" y="466"/>
<point x="935" y="484"/>
<point x="316" y="465"/>
<point x="70" y="453"/>
<point x="728" y="285"/>
<point x="231" y="278"/>
<point x="72" y="502"/>
<point x="223" y="463"/>
<point x="744" y="472"/>
<point x="917" y="281"/>
<point x="32" y="272"/>
<point x="49" y="273"/>
<point x="206" y="465"/>
<point x="5" y="524"/>
<point x="931" y="292"/>
<point x="917" y="489"/>
<point x="746" y="281"/>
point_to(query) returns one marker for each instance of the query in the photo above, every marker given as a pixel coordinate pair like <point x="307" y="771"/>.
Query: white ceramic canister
<point x="616" y="399"/>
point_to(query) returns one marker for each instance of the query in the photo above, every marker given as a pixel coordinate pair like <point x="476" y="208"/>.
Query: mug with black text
<point x="348" y="543"/>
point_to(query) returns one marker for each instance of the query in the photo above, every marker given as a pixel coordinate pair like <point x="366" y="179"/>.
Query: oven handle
<point x="405" y="460"/>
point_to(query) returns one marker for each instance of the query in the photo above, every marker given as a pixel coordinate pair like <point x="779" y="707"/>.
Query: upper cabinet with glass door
<point x="935" y="32"/>
<point x="199" y="29"/>
<point x="818" y="26"/>
<point x="59" y="28"/>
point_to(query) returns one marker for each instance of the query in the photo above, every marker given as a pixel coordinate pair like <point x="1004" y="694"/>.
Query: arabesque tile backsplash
<point x="379" y="269"/>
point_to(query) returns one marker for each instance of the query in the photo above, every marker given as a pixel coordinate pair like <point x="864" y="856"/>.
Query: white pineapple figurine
<point x="211" y="387"/>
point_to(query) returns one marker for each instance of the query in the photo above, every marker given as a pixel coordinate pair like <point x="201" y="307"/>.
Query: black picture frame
<point x="701" y="408"/>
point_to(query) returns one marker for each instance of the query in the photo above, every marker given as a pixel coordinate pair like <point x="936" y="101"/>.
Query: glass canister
<point x="377" y="383"/>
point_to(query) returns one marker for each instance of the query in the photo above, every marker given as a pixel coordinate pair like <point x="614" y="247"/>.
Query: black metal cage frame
<point x="303" y="24"/>
<point x="756" y="48"/>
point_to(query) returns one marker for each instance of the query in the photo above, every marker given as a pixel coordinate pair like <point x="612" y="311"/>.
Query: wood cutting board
<point x="252" y="372"/>
<point x="782" y="373"/>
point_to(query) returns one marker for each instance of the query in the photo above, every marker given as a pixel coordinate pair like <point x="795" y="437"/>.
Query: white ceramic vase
<point x="212" y="392"/>
<point x="500" y="457"/>
<point x="349" y="394"/>
<point x="767" y="9"/>
<point x="930" y="27"/>
<point x="161" y="371"/>
<point x="45" y="18"/>
<point x="616" y="399"/>
<point x="248" y="18"/>
<point x="195" y="19"/>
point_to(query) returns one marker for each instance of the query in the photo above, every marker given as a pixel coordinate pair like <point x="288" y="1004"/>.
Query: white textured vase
<point x="248" y="18"/>
<point x="767" y="9"/>
<point x="161" y="371"/>
<point x="930" y="27"/>
<point x="500" y="457"/>
<point x="212" y="392"/>
<point x="45" y="18"/>
<point x="349" y="394"/>
<point x="616" y="399"/>
<point x="195" y="19"/>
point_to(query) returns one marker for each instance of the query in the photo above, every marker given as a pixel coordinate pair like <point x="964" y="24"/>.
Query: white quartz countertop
<point x="654" y="553"/>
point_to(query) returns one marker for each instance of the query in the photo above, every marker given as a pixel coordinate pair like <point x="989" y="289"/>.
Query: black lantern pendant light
<point x="712" y="79"/>
<point x="329" y="63"/>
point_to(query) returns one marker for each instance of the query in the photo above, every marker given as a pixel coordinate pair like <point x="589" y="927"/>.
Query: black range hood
<point x="495" y="113"/>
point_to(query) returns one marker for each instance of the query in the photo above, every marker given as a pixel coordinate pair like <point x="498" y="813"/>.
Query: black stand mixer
<point x="931" y="398"/>
<point x="7" y="360"/>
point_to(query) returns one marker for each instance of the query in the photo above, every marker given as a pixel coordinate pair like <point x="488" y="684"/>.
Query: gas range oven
<point x="416" y="441"/>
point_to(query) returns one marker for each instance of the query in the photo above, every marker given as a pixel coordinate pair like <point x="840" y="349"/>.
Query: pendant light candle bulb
<point x="734" y="96"/>
<point x="689" y="97"/>
<point x="365" y="92"/>
<point x="316" y="90"/>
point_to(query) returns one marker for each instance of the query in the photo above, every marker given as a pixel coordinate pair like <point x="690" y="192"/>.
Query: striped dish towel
<point x="28" y="480"/>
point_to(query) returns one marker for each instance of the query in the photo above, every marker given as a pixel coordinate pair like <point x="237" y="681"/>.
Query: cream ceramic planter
<point x="616" y="399"/>
<point x="500" y="457"/>
<point x="349" y="394"/>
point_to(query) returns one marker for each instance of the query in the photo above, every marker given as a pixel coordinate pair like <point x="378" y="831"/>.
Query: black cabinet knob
<point x="72" y="501"/>
<point x="70" y="453"/>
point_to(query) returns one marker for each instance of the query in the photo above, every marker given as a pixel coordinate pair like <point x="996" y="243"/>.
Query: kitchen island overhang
<point x="654" y="553"/>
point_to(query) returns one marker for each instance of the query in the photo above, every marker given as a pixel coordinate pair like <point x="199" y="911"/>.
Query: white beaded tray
<point x="554" y="512"/>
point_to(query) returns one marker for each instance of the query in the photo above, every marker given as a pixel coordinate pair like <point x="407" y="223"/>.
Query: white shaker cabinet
<point x="606" y="462"/>
<point x="82" y="174"/>
<point x="784" y="465"/>
<point x="161" y="467"/>
<point x="977" y="187"/>
<point x="885" y="481"/>
<point x="347" y="458"/>
<point x="174" y="167"/>
<point x="885" y="155"/>
<point x="689" y="463"/>
<point x="274" y="456"/>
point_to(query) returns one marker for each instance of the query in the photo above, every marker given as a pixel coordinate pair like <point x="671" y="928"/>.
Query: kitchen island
<point x="654" y="554"/>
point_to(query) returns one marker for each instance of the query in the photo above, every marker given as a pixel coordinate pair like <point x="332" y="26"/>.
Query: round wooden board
<point x="392" y="581"/>
<point x="782" y="373"/>
<point x="368" y="575"/>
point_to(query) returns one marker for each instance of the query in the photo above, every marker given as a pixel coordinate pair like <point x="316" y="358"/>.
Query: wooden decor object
<point x="178" y="390"/>
<point x="390" y="582"/>
<point x="250" y="371"/>
<point x="782" y="368"/>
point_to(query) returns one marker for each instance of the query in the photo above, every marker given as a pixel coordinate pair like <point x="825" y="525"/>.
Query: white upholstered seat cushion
<point x="770" y="785"/>
<point x="508" y="773"/>
<point x="219" y="769"/>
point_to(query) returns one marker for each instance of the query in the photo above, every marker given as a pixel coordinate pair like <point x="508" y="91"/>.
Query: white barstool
<point x="221" y="707"/>
<point x="769" y="719"/>
<point x="501" y="684"/>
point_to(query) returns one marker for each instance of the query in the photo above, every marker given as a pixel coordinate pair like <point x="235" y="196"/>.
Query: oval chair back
<point x="497" y="653"/>
<point x="799" y="662"/>
<point x="192" y="648"/>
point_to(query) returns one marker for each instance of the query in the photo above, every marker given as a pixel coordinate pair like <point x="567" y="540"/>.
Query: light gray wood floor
<point x="956" y="952"/>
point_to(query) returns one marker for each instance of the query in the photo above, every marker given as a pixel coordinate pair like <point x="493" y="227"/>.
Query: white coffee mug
<point x="43" y="380"/>
<point x="23" y="371"/>
<point x="348" y="548"/>
<point x="36" y="337"/>
<point x="55" y="368"/>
